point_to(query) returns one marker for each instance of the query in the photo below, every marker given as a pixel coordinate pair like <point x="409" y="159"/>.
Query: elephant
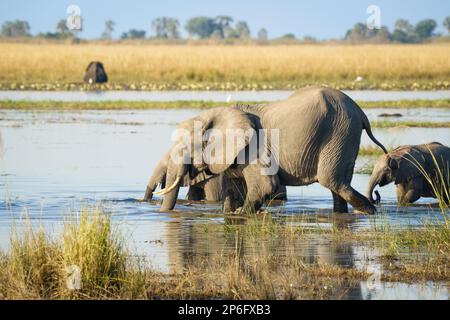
<point x="203" y="187"/>
<point x="407" y="167"/>
<point x="319" y="132"/>
<point x="95" y="73"/>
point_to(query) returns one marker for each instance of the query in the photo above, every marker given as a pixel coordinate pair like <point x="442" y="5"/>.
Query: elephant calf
<point x="203" y="187"/>
<point x="95" y="73"/>
<point x="406" y="166"/>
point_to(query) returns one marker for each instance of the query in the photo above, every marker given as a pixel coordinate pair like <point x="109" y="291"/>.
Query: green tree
<point x="14" y="29"/>
<point x="109" y="29"/>
<point x="404" y="25"/>
<point x="424" y="29"/>
<point x="243" y="30"/>
<point x="289" y="36"/>
<point x="201" y="27"/>
<point x="61" y="27"/>
<point x="133" y="34"/>
<point x="446" y="23"/>
<point x="223" y="23"/>
<point x="357" y="33"/>
<point x="263" y="34"/>
<point x="403" y="32"/>
<point x="173" y="28"/>
<point x="165" y="28"/>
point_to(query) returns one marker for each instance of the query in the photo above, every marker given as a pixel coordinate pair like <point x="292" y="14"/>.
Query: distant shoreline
<point x="193" y="104"/>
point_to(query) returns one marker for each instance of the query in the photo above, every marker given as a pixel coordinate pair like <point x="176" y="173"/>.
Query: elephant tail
<point x="367" y="127"/>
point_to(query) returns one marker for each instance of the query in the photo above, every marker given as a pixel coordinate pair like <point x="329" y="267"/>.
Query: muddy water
<point x="55" y="163"/>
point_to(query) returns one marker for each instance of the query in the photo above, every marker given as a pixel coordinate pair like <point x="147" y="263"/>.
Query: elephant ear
<point x="407" y="165"/>
<point x="226" y="133"/>
<point x="89" y="66"/>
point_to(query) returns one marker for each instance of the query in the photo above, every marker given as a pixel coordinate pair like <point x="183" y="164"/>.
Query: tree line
<point x="404" y="32"/>
<point x="223" y="27"/>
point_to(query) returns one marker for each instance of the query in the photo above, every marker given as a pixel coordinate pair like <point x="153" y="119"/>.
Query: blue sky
<point x="322" y="19"/>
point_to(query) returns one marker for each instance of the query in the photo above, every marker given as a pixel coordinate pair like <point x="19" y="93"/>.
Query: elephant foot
<point x="242" y="211"/>
<point x="371" y="210"/>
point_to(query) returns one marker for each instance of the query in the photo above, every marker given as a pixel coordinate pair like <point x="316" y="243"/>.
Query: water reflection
<point x="55" y="163"/>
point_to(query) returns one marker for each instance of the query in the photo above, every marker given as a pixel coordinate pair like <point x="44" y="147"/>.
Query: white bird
<point x="229" y="98"/>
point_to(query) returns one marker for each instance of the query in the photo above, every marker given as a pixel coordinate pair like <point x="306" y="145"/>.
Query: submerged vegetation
<point x="38" y="266"/>
<point x="239" y="67"/>
<point x="192" y="104"/>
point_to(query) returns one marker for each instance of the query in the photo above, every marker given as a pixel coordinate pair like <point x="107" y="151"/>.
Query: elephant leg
<point x="357" y="200"/>
<point x="280" y="193"/>
<point x="339" y="204"/>
<point x="408" y="193"/>
<point x="213" y="189"/>
<point x="259" y="188"/>
<point x="345" y="193"/>
<point x="234" y="193"/>
<point x="335" y="172"/>
<point x="196" y="193"/>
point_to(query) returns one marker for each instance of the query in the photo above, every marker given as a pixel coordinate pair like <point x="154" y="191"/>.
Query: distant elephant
<point x="95" y="73"/>
<point x="319" y="136"/>
<point x="202" y="187"/>
<point x="406" y="166"/>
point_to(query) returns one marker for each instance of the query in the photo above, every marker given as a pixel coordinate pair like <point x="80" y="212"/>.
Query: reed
<point x="146" y="66"/>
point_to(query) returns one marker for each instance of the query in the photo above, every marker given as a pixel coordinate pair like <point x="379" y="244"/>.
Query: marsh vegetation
<point x="159" y="67"/>
<point x="265" y="262"/>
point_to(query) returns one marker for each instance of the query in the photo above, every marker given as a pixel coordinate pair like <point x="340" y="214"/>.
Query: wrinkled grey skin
<point x="95" y="73"/>
<point x="203" y="187"/>
<point x="401" y="166"/>
<point x="319" y="134"/>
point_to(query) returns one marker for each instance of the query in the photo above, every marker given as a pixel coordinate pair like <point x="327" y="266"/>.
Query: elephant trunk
<point x="157" y="178"/>
<point x="170" y="198"/>
<point x="149" y="193"/>
<point x="174" y="180"/>
<point x="374" y="181"/>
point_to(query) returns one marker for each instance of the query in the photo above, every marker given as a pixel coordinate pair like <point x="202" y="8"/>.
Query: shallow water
<point x="270" y="95"/>
<point x="53" y="163"/>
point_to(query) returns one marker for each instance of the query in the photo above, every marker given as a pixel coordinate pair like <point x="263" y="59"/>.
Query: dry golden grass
<point x="274" y="66"/>
<point x="37" y="265"/>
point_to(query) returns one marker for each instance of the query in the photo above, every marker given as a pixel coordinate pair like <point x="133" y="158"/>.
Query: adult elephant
<point x="95" y="73"/>
<point x="411" y="167"/>
<point x="319" y="132"/>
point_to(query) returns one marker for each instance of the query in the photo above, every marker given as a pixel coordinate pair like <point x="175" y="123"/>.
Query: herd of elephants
<point x="319" y="133"/>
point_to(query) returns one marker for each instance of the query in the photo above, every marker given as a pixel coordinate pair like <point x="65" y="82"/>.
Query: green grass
<point x="410" y="124"/>
<point x="141" y="105"/>
<point x="36" y="265"/>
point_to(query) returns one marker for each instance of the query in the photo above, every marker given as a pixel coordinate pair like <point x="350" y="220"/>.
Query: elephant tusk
<point x="167" y="190"/>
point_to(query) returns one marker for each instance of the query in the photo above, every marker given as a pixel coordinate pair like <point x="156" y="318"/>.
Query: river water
<point x="54" y="163"/>
<point x="220" y="96"/>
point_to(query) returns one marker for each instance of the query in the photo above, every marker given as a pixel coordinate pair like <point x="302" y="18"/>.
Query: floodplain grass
<point x="193" y="104"/>
<point x="51" y="66"/>
<point x="35" y="266"/>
